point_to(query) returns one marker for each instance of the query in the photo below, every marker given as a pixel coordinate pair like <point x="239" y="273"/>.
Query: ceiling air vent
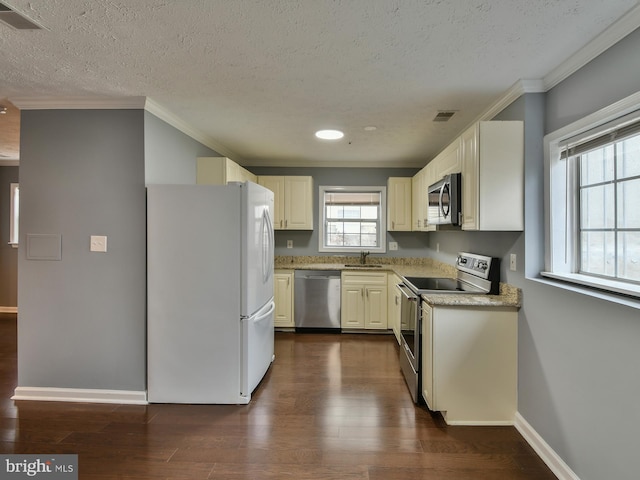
<point x="444" y="115"/>
<point x="15" y="20"/>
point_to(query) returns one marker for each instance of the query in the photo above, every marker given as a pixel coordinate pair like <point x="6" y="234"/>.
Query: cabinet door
<point x="429" y="178"/>
<point x="352" y="303"/>
<point x="416" y="208"/>
<point x="470" y="193"/>
<point x="283" y="286"/>
<point x="427" y="356"/>
<point x="275" y="183"/>
<point x="448" y="161"/>
<point x="399" y="204"/>
<point x="375" y="310"/>
<point x="298" y="213"/>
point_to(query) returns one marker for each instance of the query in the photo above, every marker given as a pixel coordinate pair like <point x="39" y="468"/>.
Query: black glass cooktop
<point x="441" y="285"/>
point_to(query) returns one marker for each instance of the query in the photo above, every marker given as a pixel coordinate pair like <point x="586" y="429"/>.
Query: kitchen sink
<point x="359" y="265"/>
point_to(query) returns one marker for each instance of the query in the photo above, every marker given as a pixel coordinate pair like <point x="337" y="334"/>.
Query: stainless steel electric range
<point x="476" y="274"/>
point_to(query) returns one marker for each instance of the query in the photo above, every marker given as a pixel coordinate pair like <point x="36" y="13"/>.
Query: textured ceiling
<point x="258" y="77"/>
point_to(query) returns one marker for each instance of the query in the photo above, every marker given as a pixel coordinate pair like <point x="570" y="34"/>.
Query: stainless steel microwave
<point x="444" y="201"/>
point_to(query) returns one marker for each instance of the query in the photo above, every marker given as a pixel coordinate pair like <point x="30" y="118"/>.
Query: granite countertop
<point x="406" y="267"/>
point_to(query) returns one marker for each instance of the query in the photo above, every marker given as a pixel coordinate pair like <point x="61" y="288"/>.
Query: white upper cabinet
<point x="293" y="201"/>
<point x="220" y="171"/>
<point x="493" y="176"/>
<point x="399" y="204"/>
<point x="448" y="161"/>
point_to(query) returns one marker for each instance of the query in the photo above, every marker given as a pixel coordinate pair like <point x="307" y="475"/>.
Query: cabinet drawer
<point x="364" y="278"/>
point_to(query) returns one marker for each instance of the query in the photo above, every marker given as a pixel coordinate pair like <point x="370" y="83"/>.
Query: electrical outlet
<point x="393" y="245"/>
<point x="437" y="246"/>
<point x="289" y="243"/>
<point x="98" y="243"/>
<point x="512" y="262"/>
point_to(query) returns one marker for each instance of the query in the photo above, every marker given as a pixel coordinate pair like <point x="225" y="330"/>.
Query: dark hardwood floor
<point x="330" y="407"/>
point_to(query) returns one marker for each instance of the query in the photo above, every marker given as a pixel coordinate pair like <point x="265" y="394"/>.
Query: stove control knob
<point x="482" y="265"/>
<point x="462" y="260"/>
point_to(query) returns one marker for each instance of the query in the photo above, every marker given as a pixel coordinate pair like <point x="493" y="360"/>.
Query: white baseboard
<point x="8" y="309"/>
<point x="128" y="397"/>
<point x="544" y="451"/>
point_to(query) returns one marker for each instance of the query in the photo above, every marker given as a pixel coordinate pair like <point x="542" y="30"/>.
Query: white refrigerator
<point x="210" y="306"/>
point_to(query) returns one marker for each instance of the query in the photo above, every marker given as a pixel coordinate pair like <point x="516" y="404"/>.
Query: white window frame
<point x="14" y="215"/>
<point x="561" y="223"/>
<point x="382" y="223"/>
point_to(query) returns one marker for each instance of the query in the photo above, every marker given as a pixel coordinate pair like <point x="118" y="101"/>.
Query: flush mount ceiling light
<point x="329" y="134"/>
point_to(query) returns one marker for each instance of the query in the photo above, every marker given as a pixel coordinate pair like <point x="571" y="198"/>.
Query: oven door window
<point x="409" y="315"/>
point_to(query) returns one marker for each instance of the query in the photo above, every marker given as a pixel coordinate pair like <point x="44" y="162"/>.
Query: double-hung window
<point x="594" y="207"/>
<point x="352" y="219"/>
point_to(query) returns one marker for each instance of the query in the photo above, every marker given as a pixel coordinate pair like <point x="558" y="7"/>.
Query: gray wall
<point x="170" y="155"/>
<point x="579" y="387"/>
<point x="306" y="242"/>
<point x="81" y="320"/>
<point x="8" y="254"/>
<point x="578" y="355"/>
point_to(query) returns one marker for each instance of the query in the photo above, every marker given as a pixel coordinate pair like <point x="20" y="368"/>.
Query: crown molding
<point x="78" y="103"/>
<point x="518" y="89"/>
<point x="605" y="40"/>
<point x="331" y="164"/>
<point x="165" y="115"/>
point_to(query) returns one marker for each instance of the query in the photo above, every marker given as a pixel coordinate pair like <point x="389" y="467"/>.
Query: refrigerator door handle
<point x="258" y="319"/>
<point x="269" y="258"/>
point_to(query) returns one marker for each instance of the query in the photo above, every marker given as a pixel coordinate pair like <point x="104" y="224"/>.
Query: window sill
<point x="13" y="245"/>
<point x="611" y="291"/>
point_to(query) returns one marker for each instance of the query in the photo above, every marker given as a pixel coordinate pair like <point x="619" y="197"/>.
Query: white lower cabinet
<point x="283" y="298"/>
<point x="469" y="363"/>
<point x="364" y="301"/>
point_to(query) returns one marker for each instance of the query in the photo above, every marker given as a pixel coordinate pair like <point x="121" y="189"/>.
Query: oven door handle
<point x="407" y="292"/>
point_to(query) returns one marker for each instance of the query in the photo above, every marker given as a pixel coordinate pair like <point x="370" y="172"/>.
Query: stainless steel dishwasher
<point x="317" y="300"/>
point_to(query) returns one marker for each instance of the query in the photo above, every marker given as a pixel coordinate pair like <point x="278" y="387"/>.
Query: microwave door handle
<point x="445" y="214"/>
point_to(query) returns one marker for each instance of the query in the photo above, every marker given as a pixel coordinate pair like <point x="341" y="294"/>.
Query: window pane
<point x="351" y="211"/>
<point x="334" y="211"/>
<point x="368" y="227"/>
<point x="629" y="157"/>
<point x="597" y="207"/>
<point x="629" y="255"/>
<point x="597" y="166"/>
<point x="352" y="227"/>
<point x="598" y="253"/>
<point x="369" y="212"/>
<point x="352" y="240"/>
<point x="368" y="240"/>
<point x="629" y="204"/>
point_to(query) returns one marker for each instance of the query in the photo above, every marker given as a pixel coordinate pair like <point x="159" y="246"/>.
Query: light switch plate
<point x="512" y="262"/>
<point x="393" y="245"/>
<point x="98" y="243"/>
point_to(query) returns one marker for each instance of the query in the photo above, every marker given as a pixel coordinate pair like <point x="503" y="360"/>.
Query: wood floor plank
<point x="331" y="407"/>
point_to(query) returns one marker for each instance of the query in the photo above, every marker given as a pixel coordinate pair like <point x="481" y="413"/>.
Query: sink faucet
<point x="363" y="257"/>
